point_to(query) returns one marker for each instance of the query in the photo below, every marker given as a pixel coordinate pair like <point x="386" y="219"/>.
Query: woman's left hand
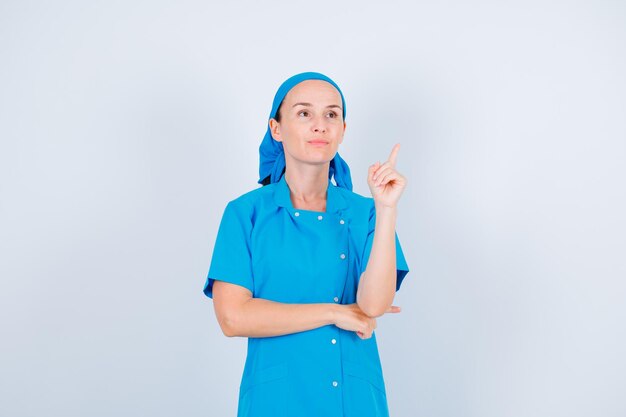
<point x="386" y="184"/>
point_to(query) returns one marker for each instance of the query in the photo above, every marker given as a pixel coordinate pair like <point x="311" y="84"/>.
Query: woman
<point x="298" y="269"/>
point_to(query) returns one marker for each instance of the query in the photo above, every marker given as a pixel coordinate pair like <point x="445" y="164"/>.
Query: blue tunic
<point x="301" y="256"/>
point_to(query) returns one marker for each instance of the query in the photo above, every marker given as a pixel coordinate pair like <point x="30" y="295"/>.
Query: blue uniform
<point x="301" y="256"/>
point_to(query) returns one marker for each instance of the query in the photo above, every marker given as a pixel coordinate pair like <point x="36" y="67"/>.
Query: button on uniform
<point x="336" y="299"/>
<point x="335" y="383"/>
<point x="319" y="217"/>
<point x="333" y="341"/>
<point x="342" y="256"/>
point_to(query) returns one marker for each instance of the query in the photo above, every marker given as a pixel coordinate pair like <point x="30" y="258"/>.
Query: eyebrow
<point x="309" y="104"/>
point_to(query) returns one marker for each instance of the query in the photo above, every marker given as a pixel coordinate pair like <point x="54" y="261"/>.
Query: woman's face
<point x="311" y="123"/>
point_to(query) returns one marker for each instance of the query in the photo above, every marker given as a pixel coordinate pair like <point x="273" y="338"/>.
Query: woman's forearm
<point x="259" y="317"/>
<point x="377" y="285"/>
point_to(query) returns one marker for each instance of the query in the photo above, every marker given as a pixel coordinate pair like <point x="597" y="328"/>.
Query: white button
<point x="296" y="214"/>
<point x="336" y="299"/>
<point x="341" y="221"/>
<point x="343" y="256"/>
<point x="335" y="383"/>
<point x="333" y="341"/>
<point x="319" y="217"/>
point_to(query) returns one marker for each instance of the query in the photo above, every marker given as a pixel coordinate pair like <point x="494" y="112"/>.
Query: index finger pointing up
<point x="394" y="155"/>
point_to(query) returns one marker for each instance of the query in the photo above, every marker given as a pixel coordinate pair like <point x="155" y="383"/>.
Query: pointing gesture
<point x="385" y="183"/>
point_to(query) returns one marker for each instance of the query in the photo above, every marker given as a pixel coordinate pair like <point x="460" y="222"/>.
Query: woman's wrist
<point x="382" y="209"/>
<point x="333" y="312"/>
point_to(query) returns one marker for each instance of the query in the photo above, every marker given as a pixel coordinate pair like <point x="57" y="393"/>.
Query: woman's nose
<point x="319" y="125"/>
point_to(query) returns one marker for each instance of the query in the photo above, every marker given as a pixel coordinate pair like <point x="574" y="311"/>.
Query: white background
<point x="126" y="127"/>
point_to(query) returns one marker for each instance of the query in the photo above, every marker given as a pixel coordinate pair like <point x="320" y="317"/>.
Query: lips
<point x="318" y="142"/>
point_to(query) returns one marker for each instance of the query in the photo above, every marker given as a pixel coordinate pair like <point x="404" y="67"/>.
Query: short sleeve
<point x="231" y="259"/>
<point x="401" y="266"/>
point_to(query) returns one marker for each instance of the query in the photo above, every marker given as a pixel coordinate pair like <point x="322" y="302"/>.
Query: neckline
<point x="311" y="211"/>
<point x="305" y="210"/>
<point x="334" y="200"/>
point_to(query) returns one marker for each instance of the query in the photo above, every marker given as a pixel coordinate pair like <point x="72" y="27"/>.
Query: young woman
<point x="299" y="271"/>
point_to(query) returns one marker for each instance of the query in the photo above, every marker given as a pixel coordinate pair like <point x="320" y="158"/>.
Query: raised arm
<point x="377" y="284"/>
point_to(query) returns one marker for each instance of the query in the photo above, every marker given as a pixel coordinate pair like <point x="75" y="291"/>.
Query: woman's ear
<point x="275" y="130"/>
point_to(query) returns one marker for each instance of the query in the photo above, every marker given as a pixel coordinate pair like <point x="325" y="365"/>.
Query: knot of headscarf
<point x="272" y="153"/>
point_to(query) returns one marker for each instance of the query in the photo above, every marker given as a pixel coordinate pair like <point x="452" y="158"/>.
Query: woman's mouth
<point x="318" y="142"/>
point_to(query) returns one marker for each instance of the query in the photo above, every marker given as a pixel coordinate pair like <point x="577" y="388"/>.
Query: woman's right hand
<point x="350" y="317"/>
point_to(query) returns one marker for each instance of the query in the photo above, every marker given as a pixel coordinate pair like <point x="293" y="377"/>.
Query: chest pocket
<point x="301" y="256"/>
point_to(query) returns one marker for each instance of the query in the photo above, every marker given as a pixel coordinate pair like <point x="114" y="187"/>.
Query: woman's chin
<point x="322" y="157"/>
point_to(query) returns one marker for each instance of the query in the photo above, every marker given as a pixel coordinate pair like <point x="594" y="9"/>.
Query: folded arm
<point x="239" y="314"/>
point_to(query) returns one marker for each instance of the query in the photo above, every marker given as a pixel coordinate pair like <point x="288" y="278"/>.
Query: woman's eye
<point x="332" y="113"/>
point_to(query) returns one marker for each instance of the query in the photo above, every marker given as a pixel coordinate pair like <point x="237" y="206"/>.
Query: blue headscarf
<point x="272" y="154"/>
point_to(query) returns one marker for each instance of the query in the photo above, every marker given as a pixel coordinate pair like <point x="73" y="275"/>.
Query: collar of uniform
<point x="334" y="200"/>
